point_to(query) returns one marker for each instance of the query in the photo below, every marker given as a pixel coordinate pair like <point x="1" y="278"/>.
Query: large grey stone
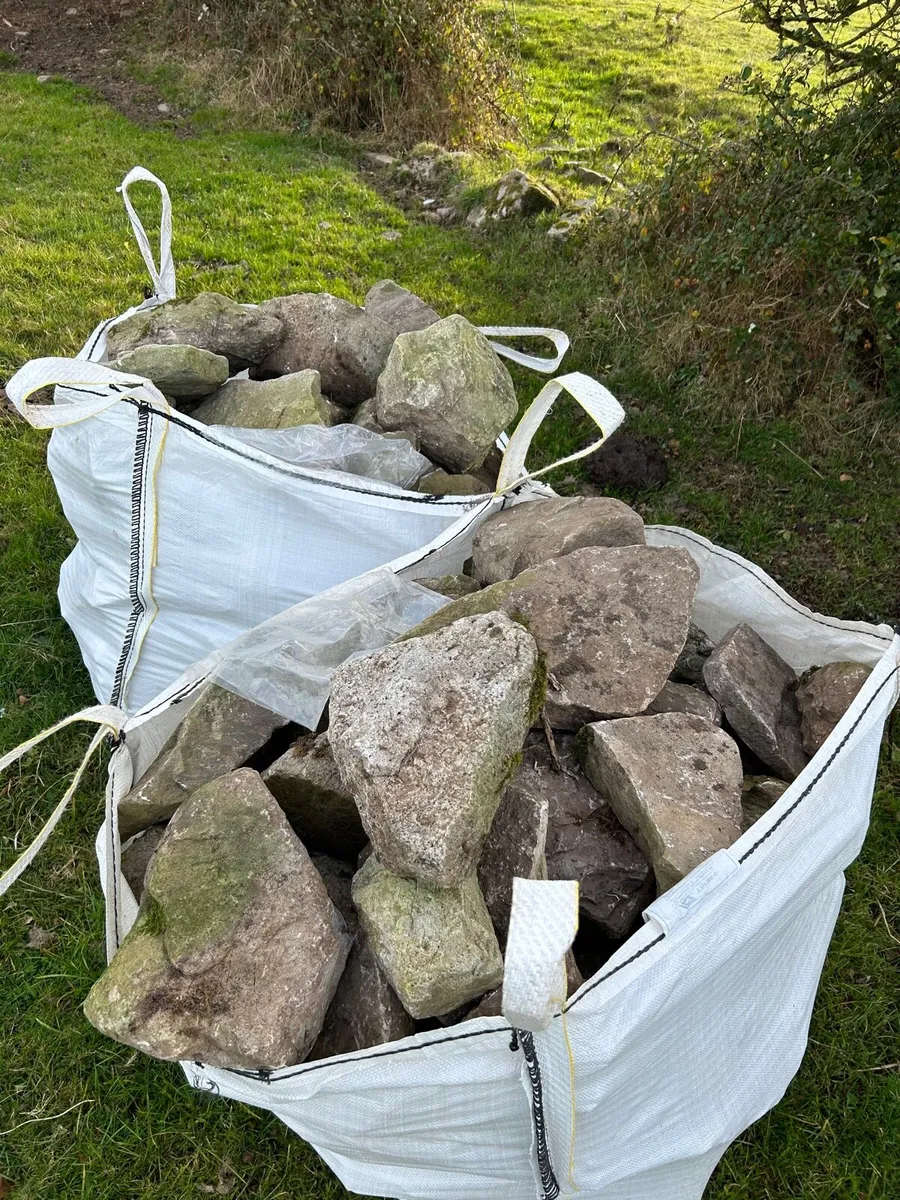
<point x="364" y="416"/>
<point x="447" y="384"/>
<point x="136" y="857"/>
<point x="220" y="732"/>
<point x="755" y="687"/>
<point x="401" y="310"/>
<point x="516" y="194"/>
<point x="425" y="734"/>
<point x="345" y="344"/>
<point x="365" y="1011"/>
<point x="758" y="794"/>
<point x="436" y="945"/>
<point x="210" y="321"/>
<point x="681" y="697"/>
<point x="237" y="949"/>
<point x="306" y="783"/>
<point x="692" y="659"/>
<point x="528" y="534"/>
<point x="442" y="483"/>
<point x="268" y="403"/>
<point x="673" y="780"/>
<point x="452" y="586"/>
<point x="180" y="372"/>
<point x="823" y="698"/>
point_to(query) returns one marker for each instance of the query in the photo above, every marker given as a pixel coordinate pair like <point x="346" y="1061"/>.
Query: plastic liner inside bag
<point x="286" y="663"/>
<point x="349" y="448"/>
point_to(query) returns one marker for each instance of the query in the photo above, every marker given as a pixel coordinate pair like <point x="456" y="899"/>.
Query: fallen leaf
<point x="844" y="477"/>
<point x="22" y="698"/>
<point x="37" y="939"/>
<point x="6" y="1187"/>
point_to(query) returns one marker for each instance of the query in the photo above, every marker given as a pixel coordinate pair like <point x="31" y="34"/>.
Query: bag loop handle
<point x="88" y="389"/>
<point x="163" y="277"/>
<point x="534" y="362"/>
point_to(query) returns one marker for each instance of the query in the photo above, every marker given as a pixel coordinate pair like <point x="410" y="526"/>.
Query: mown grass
<point x="256" y="215"/>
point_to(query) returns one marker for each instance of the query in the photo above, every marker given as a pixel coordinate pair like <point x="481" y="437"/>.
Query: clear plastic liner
<point x="349" y="448"/>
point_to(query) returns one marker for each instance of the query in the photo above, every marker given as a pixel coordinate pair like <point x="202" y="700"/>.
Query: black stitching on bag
<point x="135" y="573"/>
<point x="549" y="1182"/>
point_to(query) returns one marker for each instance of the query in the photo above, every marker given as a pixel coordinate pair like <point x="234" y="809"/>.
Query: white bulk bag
<point x="686" y="1036"/>
<point x="188" y="535"/>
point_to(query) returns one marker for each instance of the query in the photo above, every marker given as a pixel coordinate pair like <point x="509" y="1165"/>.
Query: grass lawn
<point x="256" y="215"/>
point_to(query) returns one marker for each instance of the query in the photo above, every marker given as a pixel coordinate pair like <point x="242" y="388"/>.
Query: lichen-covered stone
<point x="365" y="1011"/>
<point x="755" y="687"/>
<point x="692" y="659"/>
<point x="758" y="794"/>
<point x="180" y="372"/>
<point x="441" y="483"/>
<point x="401" y="311"/>
<point x="823" y="698"/>
<point x="237" y="949"/>
<point x="527" y="534"/>
<point x="436" y="946"/>
<point x="306" y="783"/>
<point x="515" y="195"/>
<point x="280" y="403"/>
<point x="210" y="321"/>
<point x="673" y="780"/>
<point x="345" y="344"/>
<point x="681" y="697"/>
<point x="447" y="384"/>
<point x="364" y="416"/>
<point x="425" y="734"/>
<point x="452" y="586"/>
<point x="220" y="732"/>
<point x="136" y="857"/>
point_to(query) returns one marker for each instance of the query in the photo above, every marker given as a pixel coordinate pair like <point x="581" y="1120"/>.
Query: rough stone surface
<point x="586" y="841"/>
<point x="280" y="403"/>
<point x="453" y="586"/>
<point x="447" y="384"/>
<point x="610" y="622"/>
<point x="401" y="311"/>
<point x="758" y="794"/>
<point x="180" y="372"/>
<point x="527" y="534"/>
<point x="337" y="876"/>
<point x="755" y="688"/>
<point x="436" y="945"/>
<point x="365" y="416"/>
<point x="219" y="733"/>
<point x="673" y="780"/>
<point x="627" y="461"/>
<point x="136" y="857"/>
<point x="824" y="697"/>
<point x="306" y="783"/>
<point x="681" y="697"/>
<point x="425" y="734"/>
<point x="492" y="1004"/>
<point x="365" y="1010"/>
<point x="210" y="321"/>
<point x="692" y="659"/>
<point x="345" y="344"/>
<point x="237" y="949"/>
<point x="518" y="195"/>
<point x="440" y="483"/>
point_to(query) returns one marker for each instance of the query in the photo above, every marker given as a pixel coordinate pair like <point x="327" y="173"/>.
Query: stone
<point x="447" y="384"/>
<point x="306" y="783"/>
<point x="425" y="734"/>
<point x="692" y="659"/>
<point x="453" y="586"/>
<point x="345" y="344"/>
<point x="628" y="461"/>
<point x="758" y="794"/>
<point x="401" y="310"/>
<point x="237" y="949"/>
<point x="492" y="1004"/>
<point x="365" y="1011"/>
<point x="609" y="621"/>
<point x="365" y="417"/>
<point x="586" y="841"/>
<point x="527" y="534"/>
<point x="440" y="483"/>
<point x="180" y="372"/>
<point x="136" y="857"/>
<point x="220" y="732"/>
<point x="518" y="195"/>
<point x="824" y="696"/>
<point x="210" y="321"/>
<point x="281" y="403"/>
<point x="436" y="946"/>
<point x="755" y="687"/>
<point x="337" y="876"/>
<point x="376" y="159"/>
<point x="681" y="697"/>
<point x="673" y="780"/>
<point x="586" y="175"/>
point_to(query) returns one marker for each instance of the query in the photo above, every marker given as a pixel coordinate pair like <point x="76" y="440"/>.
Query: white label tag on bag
<point x="681" y="900"/>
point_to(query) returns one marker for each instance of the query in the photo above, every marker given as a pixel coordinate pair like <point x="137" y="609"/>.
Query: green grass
<point x="257" y="215"/>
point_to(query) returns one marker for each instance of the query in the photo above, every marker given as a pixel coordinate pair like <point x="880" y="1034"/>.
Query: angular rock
<point x="345" y="344"/>
<point x="440" y="483"/>
<point x="447" y="384"/>
<point x="758" y="794"/>
<point x="268" y="403"/>
<point x="425" y="734"/>
<point x="453" y="586"/>
<point x="755" y="687"/>
<point x="436" y="945"/>
<point x="681" y="697"/>
<point x="220" y="732"/>
<point x="401" y="310"/>
<point x="337" y="876"/>
<point x="237" y="949"/>
<point x="136" y="857"/>
<point x="673" y="780"/>
<point x="527" y="534"/>
<point x="692" y="659"/>
<point x="180" y="372"/>
<point x="824" y="697"/>
<point x="365" y="417"/>
<point x="365" y="1010"/>
<point x="492" y="1004"/>
<point x="306" y="783"/>
<point x="517" y="195"/>
<point x="210" y="321"/>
